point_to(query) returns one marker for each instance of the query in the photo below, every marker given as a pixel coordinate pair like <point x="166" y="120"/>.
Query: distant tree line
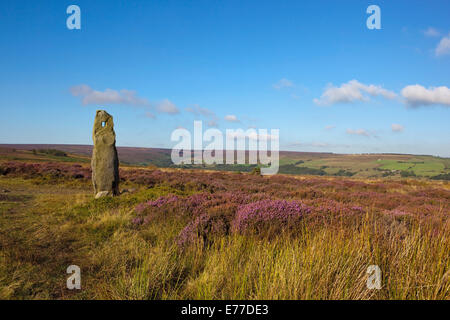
<point x="293" y="169"/>
<point x="407" y="174"/>
<point x="52" y="152"/>
<point x="442" y="176"/>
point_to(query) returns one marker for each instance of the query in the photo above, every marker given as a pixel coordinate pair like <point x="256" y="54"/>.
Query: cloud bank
<point x="358" y="132"/>
<point x="209" y="114"/>
<point x="417" y="95"/>
<point x="231" y="118"/>
<point x="397" y="127"/>
<point x="197" y="110"/>
<point x="90" y="96"/>
<point x="443" y="48"/>
<point x="166" y="106"/>
<point x="431" y="32"/>
<point x="352" y="91"/>
<point x="283" y="83"/>
<point x="109" y="96"/>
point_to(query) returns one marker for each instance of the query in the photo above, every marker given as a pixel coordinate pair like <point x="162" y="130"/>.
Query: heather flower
<point x="137" y="221"/>
<point x="332" y="207"/>
<point x="267" y="212"/>
<point x="203" y="227"/>
<point x="52" y="169"/>
<point x="396" y="213"/>
<point x="357" y="209"/>
<point x="161" y="201"/>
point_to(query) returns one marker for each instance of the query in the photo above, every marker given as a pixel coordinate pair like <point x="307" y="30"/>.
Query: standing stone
<point x="105" y="162"/>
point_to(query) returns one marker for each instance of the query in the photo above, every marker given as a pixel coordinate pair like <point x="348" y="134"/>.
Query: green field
<point x="371" y="165"/>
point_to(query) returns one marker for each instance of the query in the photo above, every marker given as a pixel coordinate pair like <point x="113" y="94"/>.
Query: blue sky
<point x="309" y="68"/>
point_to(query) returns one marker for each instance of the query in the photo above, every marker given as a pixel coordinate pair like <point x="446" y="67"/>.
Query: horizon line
<point x="164" y="148"/>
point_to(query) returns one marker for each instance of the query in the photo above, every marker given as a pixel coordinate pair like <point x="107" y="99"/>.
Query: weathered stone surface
<point x="102" y="194"/>
<point x="105" y="162"/>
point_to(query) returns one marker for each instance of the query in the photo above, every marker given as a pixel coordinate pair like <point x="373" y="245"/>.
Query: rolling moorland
<point x="297" y="163"/>
<point x="177" y="233"/>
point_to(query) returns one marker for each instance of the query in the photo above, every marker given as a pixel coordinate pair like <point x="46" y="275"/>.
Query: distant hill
<point x="127" y="155"/>
<point x="315" y="163"/>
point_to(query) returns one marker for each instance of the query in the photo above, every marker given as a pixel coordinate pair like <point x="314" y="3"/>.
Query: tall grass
<point x="401" y="226"/>
<point x="318" y="263"/>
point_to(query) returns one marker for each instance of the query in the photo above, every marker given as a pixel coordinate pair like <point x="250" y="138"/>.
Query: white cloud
<point x="231" y="118"/>
<point x="150" y="115"/>
<point x="109" y="96"/>
<point x="212" y="123"/>
<point x="197" y="110"/>
<point x="210" y="115"/>
<point x="352" y="91"/>
<point x="283" y="83"/>
<point x="167" y="106"/>
<point x="417" y="95"/>
<point x="431" y="32"/>
<point x="122" y="97"/>
<point x="397" y="127"/>
<point x="330" y="127"/>
<point x="443" y="47"/>
<point x="358" y="132"/>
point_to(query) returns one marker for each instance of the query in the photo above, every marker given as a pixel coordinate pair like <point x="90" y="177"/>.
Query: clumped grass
<point x="128" y="247"/>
